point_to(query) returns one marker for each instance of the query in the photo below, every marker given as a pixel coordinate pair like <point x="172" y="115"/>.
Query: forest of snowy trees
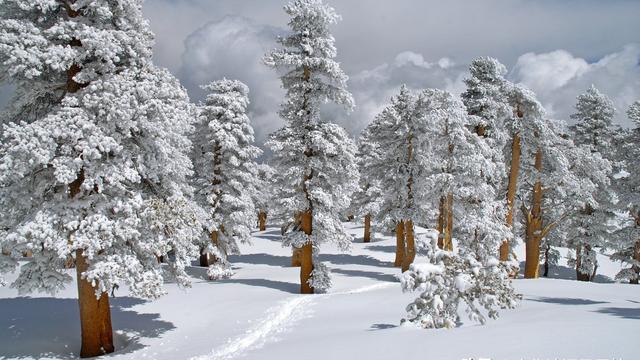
<point x="108" y="168"/>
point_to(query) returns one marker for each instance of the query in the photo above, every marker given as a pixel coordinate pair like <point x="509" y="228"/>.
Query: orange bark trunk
<point x="440" y="224"/>
<point x="448" y="241"/>
<point x="367" y="228"/>
<point x="400" y="249"/>
<point x="511" y="191"/>
<point x="411" y="246"/>
<point x="306" y="256"/>
<point x="95" y="315"/>
<point x="262" y="220"/>
<point x="534" y="226"/>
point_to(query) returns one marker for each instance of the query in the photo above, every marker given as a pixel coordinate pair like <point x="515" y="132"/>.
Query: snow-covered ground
<point x="258" y="314"/>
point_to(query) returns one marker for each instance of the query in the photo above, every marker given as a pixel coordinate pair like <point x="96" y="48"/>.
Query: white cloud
<point x="233" y="48"/>
<point x="558" y="77"/>
<point x="549" y="71"/>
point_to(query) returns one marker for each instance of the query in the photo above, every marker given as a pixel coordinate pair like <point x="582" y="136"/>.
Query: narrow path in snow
<point x="279" y="319"/>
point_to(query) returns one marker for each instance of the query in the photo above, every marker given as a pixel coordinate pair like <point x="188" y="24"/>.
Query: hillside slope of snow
<point x="257" y="314"/>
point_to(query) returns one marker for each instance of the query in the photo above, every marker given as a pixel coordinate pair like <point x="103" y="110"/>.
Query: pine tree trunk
<point x="636" y="254"/>
<point x="262" y="220"/>
<point x="400" y="249"/>
<point x="367" y="228"/>
<point x="546" y="261"/>
<point x="306" y="255"/>
<point x="440" y="224"/>
<point x="636" y="257"/>
<point x="534" y="227"/>
<point x="511" y="191"/>
<point x="411" y="246"/>
<point x="448" y="241"/>
<point x="204" y="258"/>
<point x="95" y="315"/>
<point x="581" y="276"/>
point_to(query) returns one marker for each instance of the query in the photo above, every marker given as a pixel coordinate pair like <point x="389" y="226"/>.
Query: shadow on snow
<point x="50" y="327"/>
<point x="566" y="273"/>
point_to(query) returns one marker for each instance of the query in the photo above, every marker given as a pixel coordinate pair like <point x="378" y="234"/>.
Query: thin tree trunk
<point x="367" y="228"/>
<point x="511" y="191"/>
<point x="204" y="259"/>
<point x="534" y="226"/>
<point x="546" y="261"/>
<point x="400" y="249"/>
<point x="411" y="246"/>
<point x="636" y="254"/>
<point x="440" y="224"/>
<point x="306" y="257"/>
<point x="636" y="257"/>
<point x="262" y="220"/>
<point x="581" y="276"/>
<point x="448" y="242"/>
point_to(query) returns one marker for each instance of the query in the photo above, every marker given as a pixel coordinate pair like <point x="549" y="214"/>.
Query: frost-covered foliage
<point x="626" y="181"/>
<point x="399" y="159"/>
<point x="486" y="98"/>
<point x="94" y="149"/>
<point x="314" y="160"/>
<point x="461" y="163"/>
<point x="449" y="281"/>
<point x="225" y="170"/>
<point x="263" y="196"/>
<point x="594" y="115"/>
<point x="593" y="130"/>
<point x="368" y="198"/>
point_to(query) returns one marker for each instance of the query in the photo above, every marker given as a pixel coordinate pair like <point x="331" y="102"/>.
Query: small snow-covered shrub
<point x="450" y="280"/>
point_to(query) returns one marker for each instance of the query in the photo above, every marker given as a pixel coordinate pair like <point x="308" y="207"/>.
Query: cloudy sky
<point x="556" y="47"/>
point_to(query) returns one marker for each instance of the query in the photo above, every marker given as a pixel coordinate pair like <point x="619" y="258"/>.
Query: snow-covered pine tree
<point x="532" y="136"/>
<point x="450" y="280"/>
<point x="626" y="182"/>
<point x="557" y="178"/>
<point x="93" y="156"/>
<point x="263" y="194"/>
<point x="401" y="130"/>
<point x="594" y="115"/>
<point x="464" y="169"/>
<point x="366" y="201"/>
<point x="486" y="98"/>
<point x="316" y="169"/>
<point x="225" y="173"/>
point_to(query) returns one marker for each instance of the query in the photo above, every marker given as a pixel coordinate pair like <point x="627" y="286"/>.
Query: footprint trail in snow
<point x="280" y="319"/>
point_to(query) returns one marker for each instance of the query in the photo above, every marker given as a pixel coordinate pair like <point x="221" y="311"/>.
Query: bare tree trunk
<point x="636" y="253"/>
<point x="306" y="257"/>
<point x="411" y="246"/>
<point x="367" y="228"/>
<point x="204" y="258"/>
<point x="581" y="276"/>
<point x="534" y="227"/>
<point x="636" y="256"/>
<point x="262" y="220"/>
<point x="511" y="191"/>
<point x="95" y="315"/>
<point x="400" y="249"/>
<point x="440" y="224"/>
<point x="546" y="261"/>
<point x="448" y="241"/>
